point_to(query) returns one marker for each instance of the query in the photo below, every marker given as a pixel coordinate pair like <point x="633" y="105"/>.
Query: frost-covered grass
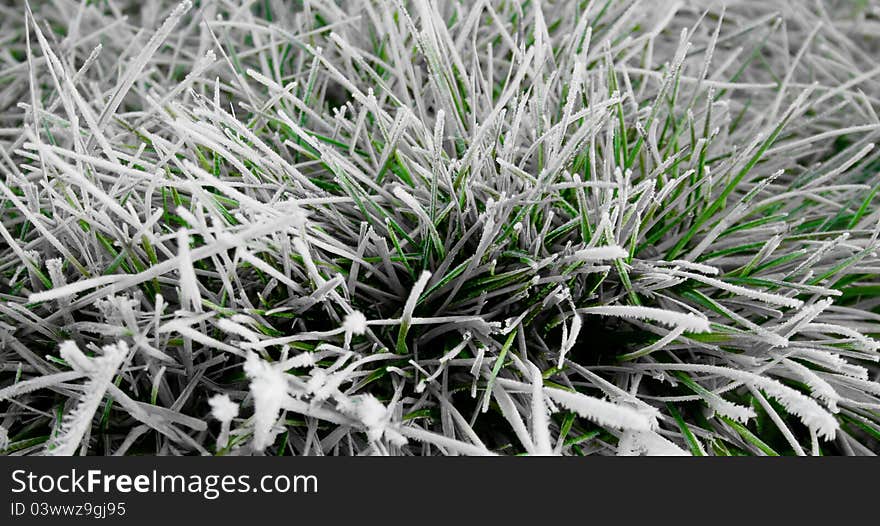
<point x="439" y="227"/>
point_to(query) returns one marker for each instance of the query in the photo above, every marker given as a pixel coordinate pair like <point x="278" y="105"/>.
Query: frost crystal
<point x="355" y="323"/>
<point x="223" y="408"/>
<point x="374" y="416"/>
<point x="269" y="388"/>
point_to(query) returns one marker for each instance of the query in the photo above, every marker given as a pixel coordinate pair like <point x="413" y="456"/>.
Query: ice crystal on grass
<point x="634" y="443"/>
<point x="374" y="416"/>
<point x="269" y="390"/>
<point x="689" y="322"/>
<point x="421" y="227"/>
<point x="354" y="324"/>
<point x="223" y="408"/>
<point x="600" y="411"/>
<point x="100" y="371"/>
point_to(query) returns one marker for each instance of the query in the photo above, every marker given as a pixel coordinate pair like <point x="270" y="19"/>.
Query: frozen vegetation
<point x="378" y="227"/>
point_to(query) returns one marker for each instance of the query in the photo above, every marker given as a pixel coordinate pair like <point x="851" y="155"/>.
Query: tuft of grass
<point x="395" y="227"/>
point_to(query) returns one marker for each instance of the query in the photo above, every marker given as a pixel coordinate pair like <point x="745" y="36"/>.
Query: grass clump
<point x="420" y="228"/>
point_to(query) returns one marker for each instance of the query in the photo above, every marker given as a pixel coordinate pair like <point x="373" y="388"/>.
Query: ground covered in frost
<point x="388" y="227"/>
